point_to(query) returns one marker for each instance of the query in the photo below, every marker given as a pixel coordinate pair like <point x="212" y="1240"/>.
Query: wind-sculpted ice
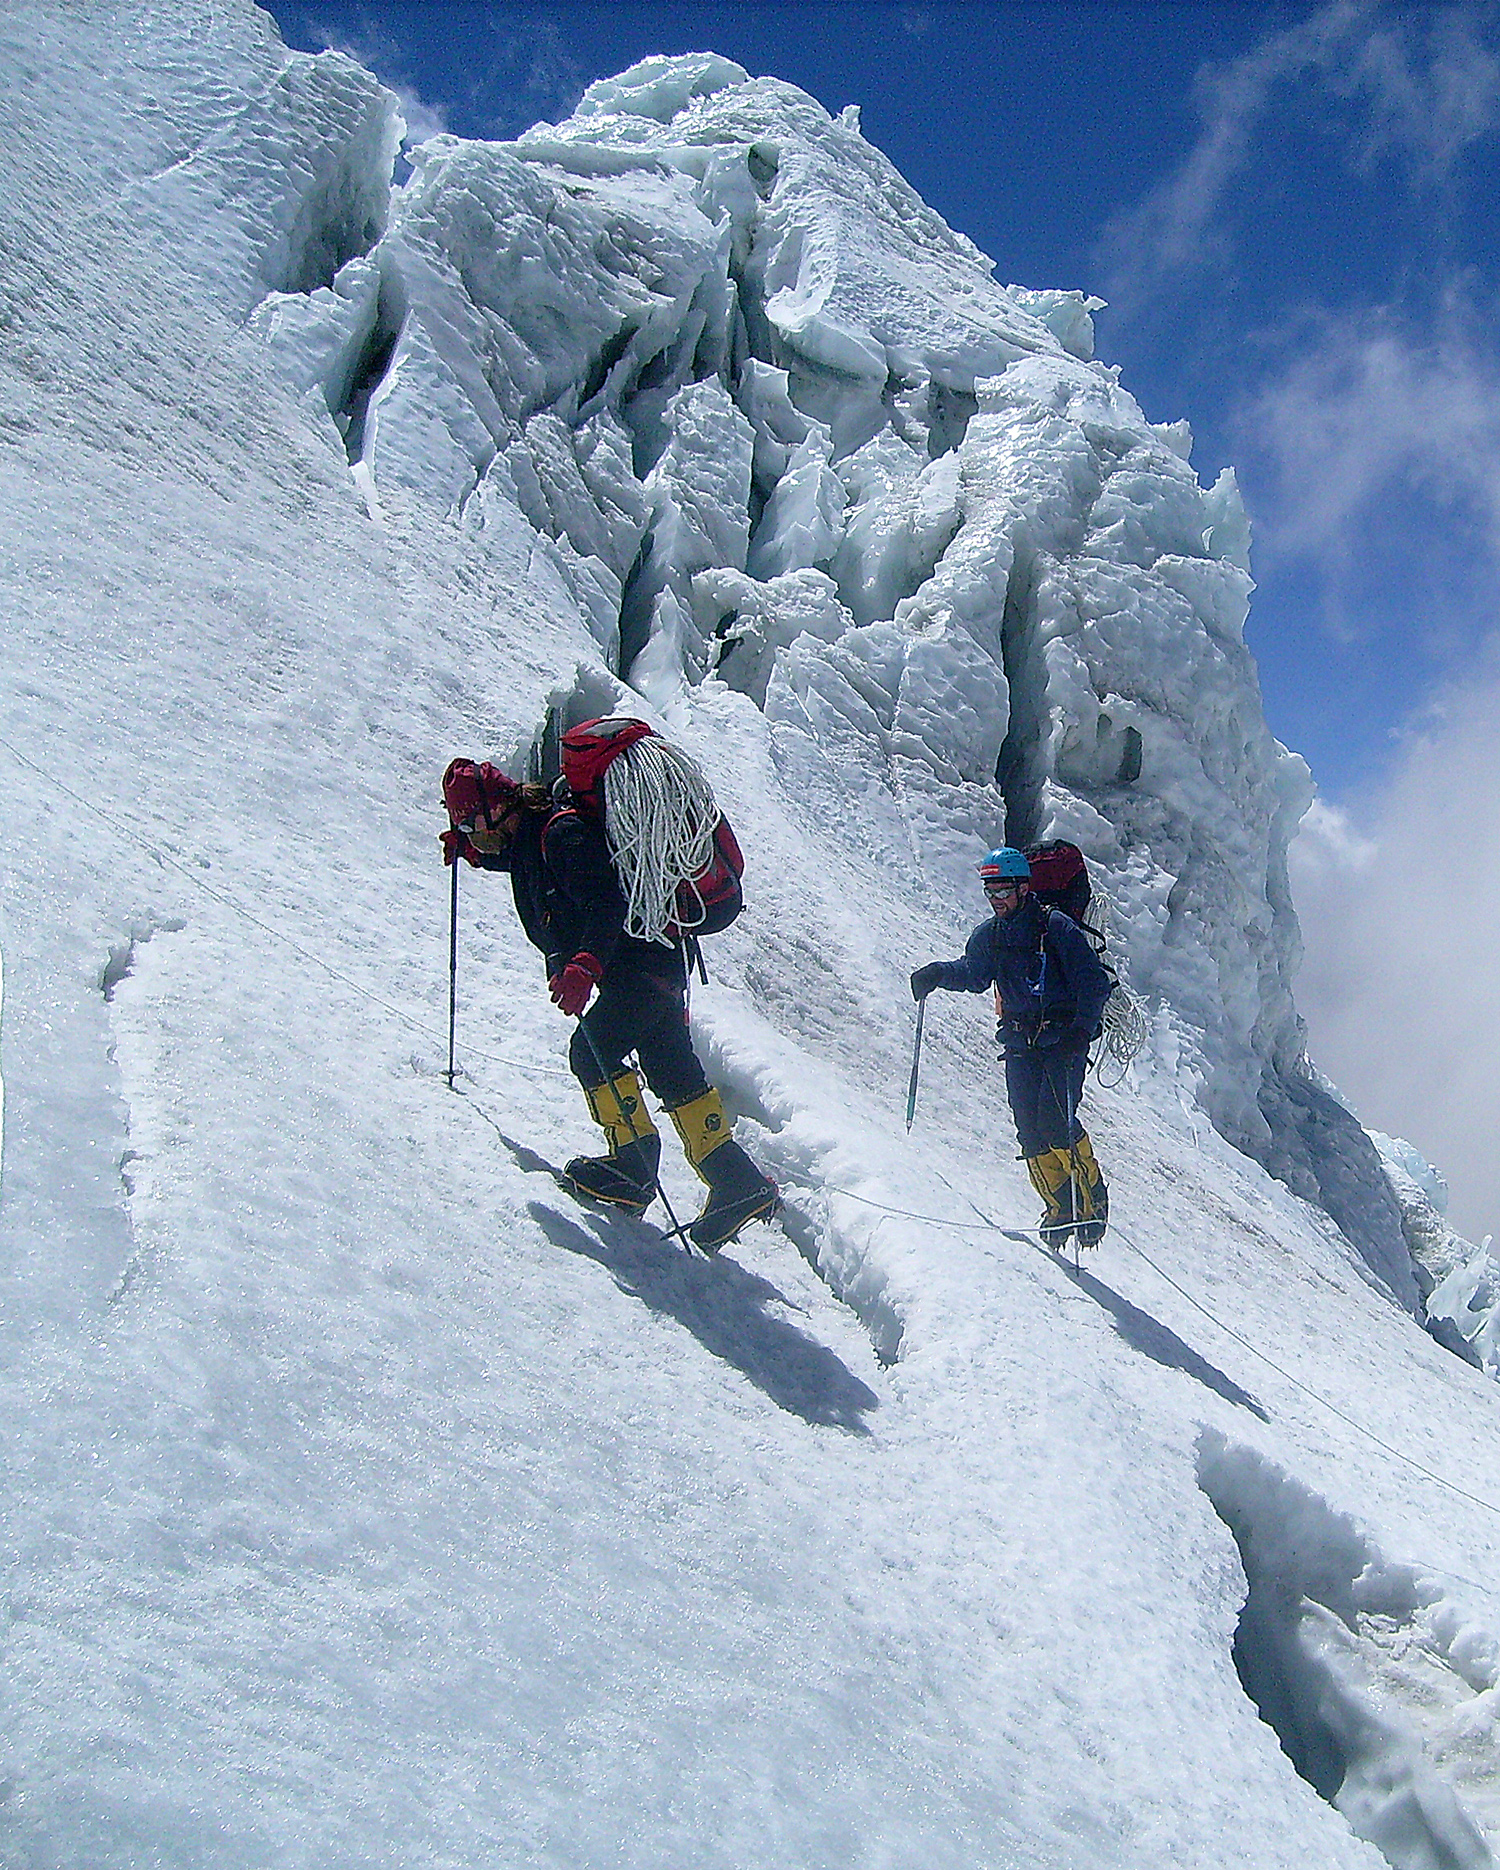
<point x="1459" y="1282"/>
<point x="769" y="419"/>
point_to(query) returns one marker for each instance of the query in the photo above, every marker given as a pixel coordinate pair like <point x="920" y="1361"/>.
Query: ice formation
<point x="772" y="421"/>
<point x="1459" y="1282"/>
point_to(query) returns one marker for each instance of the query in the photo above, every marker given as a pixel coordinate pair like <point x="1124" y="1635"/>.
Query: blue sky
<point x="1289" y="209"/>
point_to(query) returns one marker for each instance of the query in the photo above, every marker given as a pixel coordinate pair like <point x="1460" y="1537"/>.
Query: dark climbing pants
<point x="1045" y="1089"/>
<point x="646" y="1014"/>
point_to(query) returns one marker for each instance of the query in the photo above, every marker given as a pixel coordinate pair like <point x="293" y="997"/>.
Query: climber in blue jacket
<point x="1050" y="989"/>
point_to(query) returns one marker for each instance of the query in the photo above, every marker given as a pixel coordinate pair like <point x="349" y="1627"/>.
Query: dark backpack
<point x="1060" y="877"/>
<point x="706" y="903"/>
<point x="1060" y="880"/>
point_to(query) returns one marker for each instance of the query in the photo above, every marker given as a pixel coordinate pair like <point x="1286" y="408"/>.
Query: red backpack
<point x="707" y="902"/>
<point x="1060" y="877"/>
<point x="590" y="749"/>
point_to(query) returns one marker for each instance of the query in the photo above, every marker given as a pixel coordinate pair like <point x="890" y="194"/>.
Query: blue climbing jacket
<point x="1041" y="963"/>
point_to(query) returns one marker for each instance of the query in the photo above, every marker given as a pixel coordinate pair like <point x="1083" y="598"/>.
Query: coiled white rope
<point x="659" y="817"/>
<point x="1126" y="1026"/>
<point x="1125" y="1031"/>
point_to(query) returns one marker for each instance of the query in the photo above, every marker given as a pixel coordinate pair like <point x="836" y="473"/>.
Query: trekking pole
<point x="452" y="970"/>
<point x="626" y="1117"/>
<point x="916" y="1059"/>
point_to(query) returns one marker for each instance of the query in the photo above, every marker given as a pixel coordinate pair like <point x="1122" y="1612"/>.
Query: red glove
<point x="456" y="845"/>
<point x="571" y="989"/>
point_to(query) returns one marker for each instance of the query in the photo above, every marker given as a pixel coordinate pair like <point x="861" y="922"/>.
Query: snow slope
<point x="366" y="1502"/>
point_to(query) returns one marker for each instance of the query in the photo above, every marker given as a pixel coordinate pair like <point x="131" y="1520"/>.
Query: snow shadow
<point x="1153" y="1339"/>
<point x="724" y="1307"/>
<point x="1365" y="1676"/>
<point x="1149" y="1336"/>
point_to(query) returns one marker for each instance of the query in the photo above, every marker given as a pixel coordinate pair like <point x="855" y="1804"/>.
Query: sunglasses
<point x="994" y="888"/>
<point x="493" y="821"/>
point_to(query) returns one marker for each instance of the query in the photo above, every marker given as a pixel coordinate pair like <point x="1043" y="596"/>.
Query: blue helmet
<point x="1006" y="862"/>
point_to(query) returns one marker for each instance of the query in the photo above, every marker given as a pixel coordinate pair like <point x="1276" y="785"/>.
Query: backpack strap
<point x="1045" y="950"/>
<point x="1049" y="947"/>
<point x="563" y="811"/>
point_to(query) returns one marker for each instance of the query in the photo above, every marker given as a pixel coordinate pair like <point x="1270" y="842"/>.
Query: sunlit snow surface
<point x="366" y="1502"/>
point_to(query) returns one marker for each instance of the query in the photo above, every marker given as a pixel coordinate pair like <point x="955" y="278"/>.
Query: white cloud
<point x="369" y="43"/>
<point x="1172" y="230"/>
<point x="1348" y="420"/>
<point x="1328" y="844"/>
<point x="1431" y="83"/>
<point x="1364" y="405"/>
<point x="1401" y="986"/>
<point x="422" y="119"/>
<point x="1372" y="417"/>
<point x="1378" y="446"/>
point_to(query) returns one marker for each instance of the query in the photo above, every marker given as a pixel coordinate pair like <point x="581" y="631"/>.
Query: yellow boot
<point x="737" y="1191"/>
<point x="1070" y="1182"/>
<point x="1091" y="1197"/>
<point x="626" y="1177"/>
<point x="1051" y="1177"/>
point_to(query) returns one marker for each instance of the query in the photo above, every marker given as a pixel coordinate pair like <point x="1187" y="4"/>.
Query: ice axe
<point x="916" y="1059"/>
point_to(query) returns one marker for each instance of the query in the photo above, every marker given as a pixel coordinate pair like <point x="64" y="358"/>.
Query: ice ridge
<point x="772" y="423"/>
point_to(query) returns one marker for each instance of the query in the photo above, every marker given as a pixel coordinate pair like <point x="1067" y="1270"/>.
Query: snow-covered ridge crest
<point x="771" y="420"/>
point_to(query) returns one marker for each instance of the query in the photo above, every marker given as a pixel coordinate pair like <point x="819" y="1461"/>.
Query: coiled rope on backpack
<point x="659" y="817"/>
<point x="1126" y="1026"/>
<point x="1125" y="1031"/>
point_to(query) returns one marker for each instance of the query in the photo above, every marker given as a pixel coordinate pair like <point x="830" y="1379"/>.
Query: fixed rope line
<point x="1410" y="1461"/>
<point x="154" y="851"/>
<point x="1296" y="1383"/>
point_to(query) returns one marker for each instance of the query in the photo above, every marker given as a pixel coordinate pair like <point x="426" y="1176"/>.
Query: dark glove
<point x="925" y="979"/>
<point x="1015" y="1037"/>
<point x="456" y="845"/>
<point x="571" y="989"/>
